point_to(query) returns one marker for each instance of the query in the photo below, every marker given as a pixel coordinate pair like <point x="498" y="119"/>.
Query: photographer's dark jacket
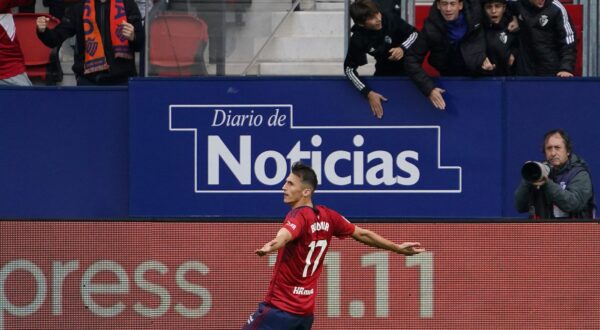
<point x="462" y="59"/>
<point x="569" y="189"/>
<point x="547" y="36"/>
<point x="377" y="43"/>
<point x="72" y="24"/>
<point x="500" y="44"/>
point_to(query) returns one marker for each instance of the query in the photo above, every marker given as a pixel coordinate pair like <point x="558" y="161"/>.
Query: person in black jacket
<point x="384" y="36"/>
<point x="454" y="37"/>
<point x="106" y="41"/>
<point x="501" y="44"/>
<point x="548" y="45"/>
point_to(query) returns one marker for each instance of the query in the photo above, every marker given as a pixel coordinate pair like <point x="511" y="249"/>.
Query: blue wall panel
<point x="63" y="153"/>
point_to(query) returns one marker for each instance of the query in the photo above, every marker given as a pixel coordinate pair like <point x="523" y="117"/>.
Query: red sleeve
<point x="294" y="222"/>
<point x="342" y="228"/>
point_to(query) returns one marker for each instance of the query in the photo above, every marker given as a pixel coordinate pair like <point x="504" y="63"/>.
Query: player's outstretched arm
<point x="281" y="239"/>
<point x="373" y="239"/>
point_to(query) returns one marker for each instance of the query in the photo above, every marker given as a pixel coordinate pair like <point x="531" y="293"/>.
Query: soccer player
<point x="302" y="243"/>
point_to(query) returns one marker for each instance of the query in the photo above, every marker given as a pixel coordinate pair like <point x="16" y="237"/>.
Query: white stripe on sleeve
<point x="568" y="29"/>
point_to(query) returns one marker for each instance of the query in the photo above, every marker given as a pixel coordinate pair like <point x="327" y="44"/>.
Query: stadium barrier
<point x="174" y="148"/>
<point x="58" y="275"/>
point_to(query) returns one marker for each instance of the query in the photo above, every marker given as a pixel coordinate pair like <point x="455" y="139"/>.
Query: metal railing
<point x="591" y="37"/>
<point x="270" y="37"/>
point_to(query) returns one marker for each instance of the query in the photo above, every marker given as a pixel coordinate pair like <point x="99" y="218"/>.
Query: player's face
<point x="495" y="11"/>
<point x="294" y="191"/>
<point x="373" y="23"/>
<point x="538" y="3"/>
<point x="556" y="151"/>
<point x="450" y="8"/>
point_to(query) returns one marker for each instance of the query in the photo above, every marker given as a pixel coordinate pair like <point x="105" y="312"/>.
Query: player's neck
<point x="302" y="203"/>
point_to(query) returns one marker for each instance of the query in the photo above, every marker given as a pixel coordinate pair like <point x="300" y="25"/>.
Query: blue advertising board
<point x="223" y="147"/>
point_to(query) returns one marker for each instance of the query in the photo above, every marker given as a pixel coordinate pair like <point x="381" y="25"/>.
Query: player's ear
<point x="306" y="192"/>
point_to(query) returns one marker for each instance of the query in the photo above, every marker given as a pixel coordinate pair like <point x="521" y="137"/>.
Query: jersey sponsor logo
<point x="298" y="290"/>
<point x="250" y="148"/>
<point x="291" y="225"/>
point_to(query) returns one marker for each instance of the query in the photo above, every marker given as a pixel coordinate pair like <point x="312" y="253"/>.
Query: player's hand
<point x="437" y="99"/>
<point x="511" y="60"/>
<point x="564" y="74"/>
<point x="263" y="251"/>
<point x="488" y="65"/>
<point x="396" y="54"/>
<point x="410" y="248"/>
<point x="127" y="31"/>
<point x="375" y="103"/>
<point x="41" y="23"/>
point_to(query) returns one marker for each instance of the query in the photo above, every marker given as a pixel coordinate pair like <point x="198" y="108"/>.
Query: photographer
<point x="563" y="188"/>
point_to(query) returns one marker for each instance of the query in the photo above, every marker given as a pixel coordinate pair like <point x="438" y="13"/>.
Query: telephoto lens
<point x="534" y="171"/>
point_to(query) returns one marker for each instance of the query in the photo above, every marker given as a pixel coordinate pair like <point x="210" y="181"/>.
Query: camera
<point x="534" y="171"/>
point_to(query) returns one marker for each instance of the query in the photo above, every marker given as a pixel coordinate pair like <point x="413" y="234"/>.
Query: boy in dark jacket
<point x="454" y="38"/>
<point x="501" y="44"/>
<point x="386" y="37"/>
<point x="548" y="45"/>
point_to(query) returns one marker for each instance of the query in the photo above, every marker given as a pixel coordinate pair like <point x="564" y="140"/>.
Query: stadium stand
<point x="177" y="42"/>
<point x="40" y="61"/>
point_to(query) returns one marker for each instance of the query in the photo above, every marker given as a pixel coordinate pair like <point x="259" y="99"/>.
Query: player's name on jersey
<point x="320" y="225"/>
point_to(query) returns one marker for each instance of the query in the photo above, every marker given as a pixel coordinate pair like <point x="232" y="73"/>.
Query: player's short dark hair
<point x="306" y="174"/>
<point x="562" y="134"/>
<point x="362" y="10"/>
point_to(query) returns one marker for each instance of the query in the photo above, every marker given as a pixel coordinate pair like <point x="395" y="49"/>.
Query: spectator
<point x="57" y="8"/>
<point x="565" y="191"/>
<point x="105" y="53"/>
<point x="501" y="44"/>
<point x="547" y="46"/>
<point x="384" y="36"/>
<point x="12" y="62"/>
<point x="454" y="38"/>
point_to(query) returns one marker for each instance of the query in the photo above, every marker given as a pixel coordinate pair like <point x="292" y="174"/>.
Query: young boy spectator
<point x="501" y="45"/>
<point x="454" y="38"/>
<point x="384" y="36"/>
